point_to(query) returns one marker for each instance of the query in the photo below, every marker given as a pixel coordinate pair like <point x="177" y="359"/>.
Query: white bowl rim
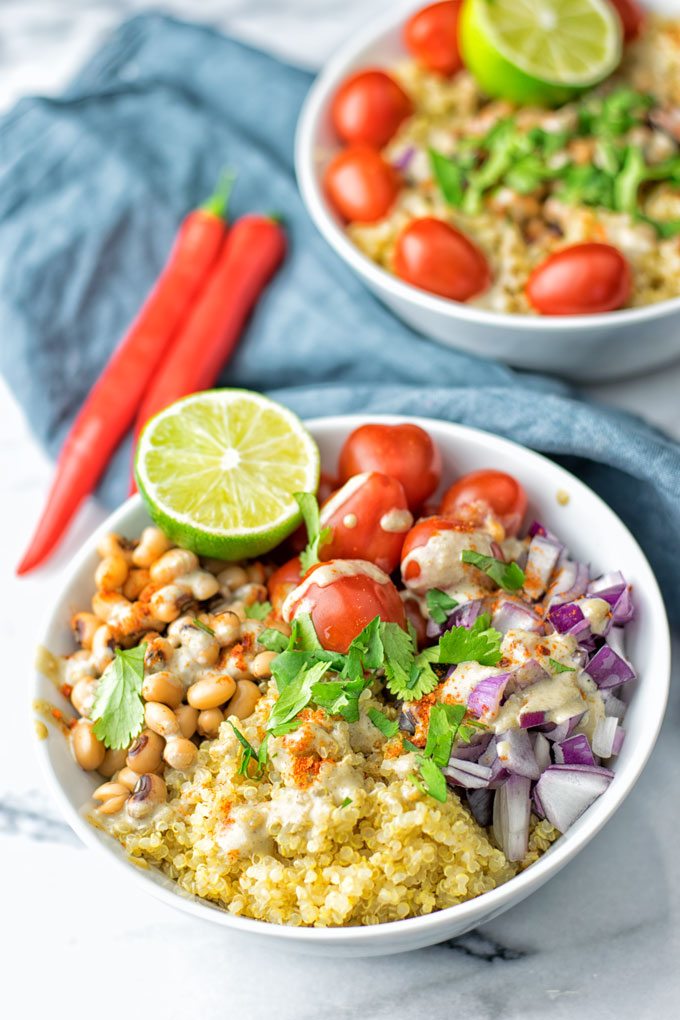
<point x="315" y="101"/>
<point x="516" y="888"/>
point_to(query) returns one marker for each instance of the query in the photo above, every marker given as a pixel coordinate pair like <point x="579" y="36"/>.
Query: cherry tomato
<point x="405" y="452"/>
<point x="434" y="256"/>
<point x="440" y="564"/>
<point x="368" y="518"/>
<point x="342" y="597"/>
<point x="419" y="535"/>
<point x="431" y="36"/>
<point x="369" y="107"/>
<point x="282" y="582"/>
<point x="632" y="18"/>
<point x="474" y="496"/>
<point x="360" y="184"/>
<point x="580" y="280"/>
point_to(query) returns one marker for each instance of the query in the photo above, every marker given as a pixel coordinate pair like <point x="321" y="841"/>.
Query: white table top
<point x="600" y="941"/>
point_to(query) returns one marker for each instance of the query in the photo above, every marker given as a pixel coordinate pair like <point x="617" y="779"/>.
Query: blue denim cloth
<point x="92" y="187"/>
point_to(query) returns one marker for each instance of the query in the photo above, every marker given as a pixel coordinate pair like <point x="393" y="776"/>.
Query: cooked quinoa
<point x="518" y="231"/>
<point x="334" y="834"/>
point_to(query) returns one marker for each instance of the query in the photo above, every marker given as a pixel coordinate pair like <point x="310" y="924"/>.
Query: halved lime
<point x="541" y="52"/>
<point x="217" y="471"/>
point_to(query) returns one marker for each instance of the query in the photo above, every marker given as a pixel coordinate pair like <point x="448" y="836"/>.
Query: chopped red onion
<point x="541" y="562"/>
<point x="515" y="615"/>
<point x="474" y="750"/>
<point x="511" y="816"/>
<point x="516" y="754"/>
<point x="541" y="750"/>
<point x="573" y="751"/>
<point x="530" y="672"/>
<point x="608" y="669"/>
<point x="619" y="738"/>
<point x="537" y="806"/>
<point x="613" y="705"/>
<point x="564" y="792"/>
<point x="469" y="774"/>
<point x="570" y="583"/>
<point x="614" y="590"/>
<point x="565" y="618"/>
<point x="462" y="616"/>
<point x="561" y="731"/>
<point x="480" y="803"/>
<point x="486" y="697"/>
<point x="491" y="759"/>
<point x="402" y="161"/>
<point x="604" y="736"/>
<point x="527" y="720"/>
<point x="407" y="721"/>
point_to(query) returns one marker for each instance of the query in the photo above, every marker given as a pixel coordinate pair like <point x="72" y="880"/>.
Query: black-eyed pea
<point x="112" y="797"/>
<point x="256" y="573"/>
<point x="78" y="666"/>
<point x="238" y="607"/>
<point x="114" y="804"/>
<point x="249" y="593"/>
<point x="261" y="665"/>
<point x="110" y="606"/>
<point x="149" y="793"/>
<point x="179" y="753"/>
<point x="232" y="577"/>
<point x="211" y="691"/>
<point x="103" y="645"/>
<point x="187" y="717"/>
<point x="237" y="665"/>
<point x="137" y="580"/>
<point x="209" y="721"/>
<point x="112" y="572"/>
<point x="169" y="602"/>
<point x="152" y="544"/>
<point x="84" y="627"/>
<point x="201" y="646"/>
<point x="87" y="749"/>
<point x="253" y="627"/>
<point x="146" y="753"/>
<point x="114" y="760"/>
<point x="157" y="654"/>
<point x="161" y="719"/>
<point x="226" y="627"/>
<point x="172" y="565"/>
<point x="244" y="700"/>
<point x="127" y="777"/>
<point x="163" y="687"/>
<point x="82" y="695"/>
<point x="200" y="584"/>
<point x="115" y="545"/>
<point x="282" y="627"/>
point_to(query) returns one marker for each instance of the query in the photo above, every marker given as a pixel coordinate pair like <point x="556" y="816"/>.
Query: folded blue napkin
<point x="92" y="187"/>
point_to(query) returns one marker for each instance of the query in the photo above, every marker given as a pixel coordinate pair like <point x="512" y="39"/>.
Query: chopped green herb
<point x="296" y="695"/>
<point x="366" y="651"/>
<point x="559" y="667"/>
<point x="258" y="610"/>
<point x="432" y="781"/>
<point x="273" y="640"/>
<point x="118" y="709"/>
<point x="443" y="726"/>
<point x="508" y="576"/>
<point x="449" y="175"/>
<point x="409" y="676"/>
<point x="203" y="626"/>
<point x="439" y="605"/>
<point x="303" y="634"/>
<point x="249" y="754"/>
<point x="340" y="697"/>
<point x="408" y="745"/>
<point x="480" y="643"/>
<point x="388" y="727"/>
<point x="346" y="802"/>
<point x="316" y="535"/>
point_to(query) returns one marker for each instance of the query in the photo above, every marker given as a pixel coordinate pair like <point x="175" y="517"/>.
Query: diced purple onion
<point x="530" y="672"/>
<point x="541" y="751"/>
<point x="516" y="753"/>
<point x="487" y="694"/>
<point x="564" y="792"/>
<point x="609" y="669"/>
<point x="619" y="738"/>
<point x="511" y="816"/>
<point x="481" y="805"/>
<point x="613" y="705"/>
<point x="515" y="615"/>
<point x="469" y="774"/>
<point x="560" y="731"/>
<point x="462" y="616"/>
<point x="573" y="751"/>
<point x="614" y="590"/>
<point x="407" y="721"/>
<point x="541" y="562"/>
<point x="491" y="759"/>
<point x="404" y="158"/>
<point x="570" y="583"/>
<point x="474" y="750"/>
<point x="537" y="806"/>
<point x="604" y="736"/>
<point x="536" y="528"/>
<point x="565" y="618"/>
<point x="527" y="720"/>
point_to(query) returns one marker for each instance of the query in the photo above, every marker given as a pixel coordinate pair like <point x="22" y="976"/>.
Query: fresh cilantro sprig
<point x="559" y="667"/>
<point x="431" y="779"/>
<point x="258" y="610"/>
<point x="316" y="535"/>
<point x="346" y="802"/>
<point x="439" y="605"/>
<point x="118" y="709"/>
<point x="249" y="754"/>
<point x="508" y="576"/>
<point x="388" y="727"/>
<point x="273" y="640"/>
<point x="295" y="696"/>
<point x="444" y="727"/>
<point x="480" y="643"/>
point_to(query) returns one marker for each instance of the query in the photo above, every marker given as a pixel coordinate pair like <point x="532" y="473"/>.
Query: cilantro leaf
<point x="296" y="695"/>
<point x="400" y="652"/>
<point x="249" y="754"/>
<point x="340" y="697"/>
<point x="303" y="634"/>
<point x="449" y="175"/>
<point x="366" y="651"/>
<point x="203" y="626"/>
<point x="433" y="781"/>
<point x="508" y="576"/>
<point x="443" y="726"/>
<point x="287" y="666"/>
<point x="258" y="610"/>
<point x="388" y="727"/>
<point x="346" y="802"/>
<point x="559" y="667"/>
<point x="316" y="535"/>
<point x="439" y="605"/>
<point x="273" y="640"/>
<point x="476" y="645"/>
<point x="118" y="709"/>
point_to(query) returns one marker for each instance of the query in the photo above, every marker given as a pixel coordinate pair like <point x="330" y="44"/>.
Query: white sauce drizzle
<point x="350" y="520"/>
<point x="440" y="563"/>
<point x="297" y="601"/>
<point x="396" y="521"/>
<point x="341" y="496"/>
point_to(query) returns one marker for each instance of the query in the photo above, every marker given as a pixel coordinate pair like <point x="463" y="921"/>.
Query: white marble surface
<point x="601" y="941"/>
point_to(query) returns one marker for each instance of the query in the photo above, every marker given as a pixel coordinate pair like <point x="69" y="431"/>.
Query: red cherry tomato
<point x="282" y="582"/>
<point x="431" y="36"/>
<point x="368" y="518"/>
<point x="360" y="184"/>
<point x="420" y="534"/>
<point x="369" y="107"/>
<point x="342" y="597"/>
<point x="580" y="280"/>
<point x="474" y="496"/>
<point x="405" y="452"/>
<point x="434" y="256"/>
<point x="632" y="18"/>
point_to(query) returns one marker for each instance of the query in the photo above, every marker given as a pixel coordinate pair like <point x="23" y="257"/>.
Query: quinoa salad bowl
<point x="478" y="168"/>
<point x="351" y="834"/>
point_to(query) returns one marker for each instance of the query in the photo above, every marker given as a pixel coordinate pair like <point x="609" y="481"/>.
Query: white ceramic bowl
<point x="583" y="347"/>
<point x="593" y="533"/>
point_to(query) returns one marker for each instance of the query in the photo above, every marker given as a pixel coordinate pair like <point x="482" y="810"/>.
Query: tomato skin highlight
<point x="580" y="280"/>
<point x="357" y="516"/>
<point x="368" y="107"/>
<point x="434" y="256"/>
<point x="471" y="498"/>
<point x="404" y="452"/>
<point x="360" y="185"/>
<point x="632" y="18"/>
<point x="340" y="610"/>
<point x="282" y="582"/>
<point x="431" y="36"/>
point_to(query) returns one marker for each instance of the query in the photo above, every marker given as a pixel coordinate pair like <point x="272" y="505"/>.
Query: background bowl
<point x="584" y="347"/>
<point x="592" y="532"/>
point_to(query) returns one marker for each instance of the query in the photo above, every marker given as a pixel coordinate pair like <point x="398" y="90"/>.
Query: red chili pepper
<point x="254" y="249"/>
<point x="110" y="408"/>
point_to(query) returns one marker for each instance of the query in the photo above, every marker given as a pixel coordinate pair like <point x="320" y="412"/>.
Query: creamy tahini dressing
<point x="597" y="612"/>
<point x="339" y="498"/>
<point x="297" y="600"/>
<point x="396" y="521"/>
<point x="465" y="677"/>
<point x="350" y="521"/>
<point x="440" y="563"/>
